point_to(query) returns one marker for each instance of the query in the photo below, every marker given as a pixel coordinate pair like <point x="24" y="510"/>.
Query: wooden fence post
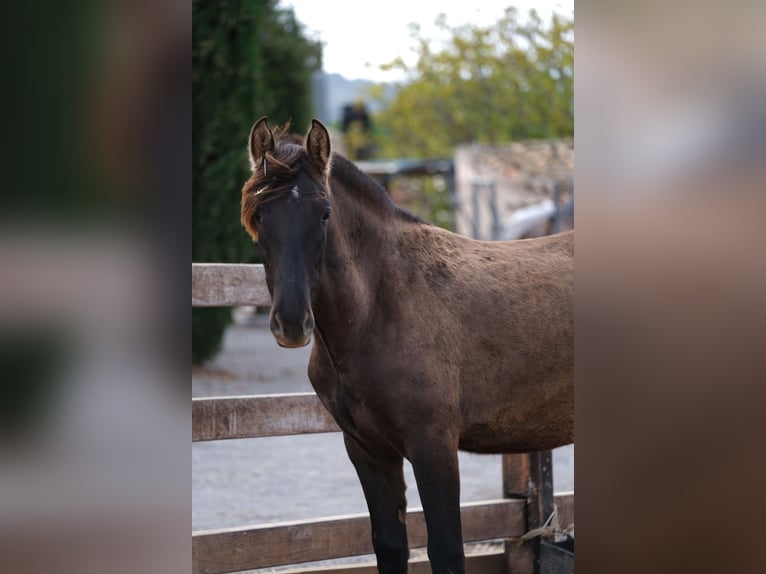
<point x="528" y="476"/>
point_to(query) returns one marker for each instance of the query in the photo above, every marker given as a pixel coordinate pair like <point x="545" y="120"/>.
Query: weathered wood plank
<point x="516" y="475"/>
<point x="235" y="549"/>
<point x="485" y="562"/>
<point x="217" y="418"/>
<point x="228" y="285"/>
<point x="528" y="476"/>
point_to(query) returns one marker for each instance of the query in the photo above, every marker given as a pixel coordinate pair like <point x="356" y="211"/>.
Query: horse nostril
<point x="308" y="323"/>
<point x="276" y="325"/>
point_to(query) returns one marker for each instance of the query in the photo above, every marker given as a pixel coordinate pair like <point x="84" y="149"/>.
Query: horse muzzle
<point x="292" y="332"/>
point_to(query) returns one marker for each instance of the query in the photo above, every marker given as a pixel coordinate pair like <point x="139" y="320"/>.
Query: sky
<point x="359" y="36"/>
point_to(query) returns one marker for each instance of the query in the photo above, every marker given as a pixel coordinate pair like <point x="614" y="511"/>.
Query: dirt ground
<point x="256" y="481"/>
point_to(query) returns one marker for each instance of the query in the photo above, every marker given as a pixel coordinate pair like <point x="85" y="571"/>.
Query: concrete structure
<point x="492" y="183"/>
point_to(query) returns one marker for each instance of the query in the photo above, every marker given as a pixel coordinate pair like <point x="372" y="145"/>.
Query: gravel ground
<point x="252" y="481"/>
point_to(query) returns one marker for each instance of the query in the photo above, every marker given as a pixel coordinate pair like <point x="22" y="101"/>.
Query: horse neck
<point x="360" y="243"/>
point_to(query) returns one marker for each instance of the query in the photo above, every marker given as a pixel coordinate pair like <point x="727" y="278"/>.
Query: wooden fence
<point x="527" y="479"/>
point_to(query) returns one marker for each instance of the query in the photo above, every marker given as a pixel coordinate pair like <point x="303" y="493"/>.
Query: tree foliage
<point x="249" y="58"/>
<point x="510" y="81"/>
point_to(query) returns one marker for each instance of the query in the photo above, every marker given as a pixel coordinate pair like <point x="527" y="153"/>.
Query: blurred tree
<point x="249" y="58"/>
<point x="510" y="81"/>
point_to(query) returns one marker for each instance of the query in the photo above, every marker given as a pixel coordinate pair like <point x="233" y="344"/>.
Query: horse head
<point x="286" y="209"/>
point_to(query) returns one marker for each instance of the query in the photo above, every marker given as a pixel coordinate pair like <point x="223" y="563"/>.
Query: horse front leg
<point x="435" y="464"/>
<point x="383" y="484"/>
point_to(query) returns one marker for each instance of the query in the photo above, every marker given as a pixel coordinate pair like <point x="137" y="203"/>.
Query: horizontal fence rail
<point x="235" y="549"/>
<point x="259" y="416"/>
<point x="229" y="285"/>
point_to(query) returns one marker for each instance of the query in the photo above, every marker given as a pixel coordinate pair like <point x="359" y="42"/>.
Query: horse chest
<point x="363" y="416"/>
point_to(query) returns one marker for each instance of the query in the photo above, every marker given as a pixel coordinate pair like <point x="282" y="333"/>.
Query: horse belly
<point x="537" y="417"/>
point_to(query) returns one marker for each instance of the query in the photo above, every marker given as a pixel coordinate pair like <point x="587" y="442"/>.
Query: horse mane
<point x="276" y="176"/>
<point x="370" y="190"/>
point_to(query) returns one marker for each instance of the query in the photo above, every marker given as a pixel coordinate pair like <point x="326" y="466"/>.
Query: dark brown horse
<point x="425" y="342"/>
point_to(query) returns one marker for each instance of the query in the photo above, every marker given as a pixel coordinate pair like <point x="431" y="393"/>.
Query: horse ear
<point x="261" y="142"/>
<point x="318" y="146"/>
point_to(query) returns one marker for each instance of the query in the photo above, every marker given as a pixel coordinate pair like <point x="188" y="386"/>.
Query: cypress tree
<point x="250" y="58"/>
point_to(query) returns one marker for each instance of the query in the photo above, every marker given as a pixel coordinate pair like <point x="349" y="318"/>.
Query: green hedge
<point x="249" y="59"/>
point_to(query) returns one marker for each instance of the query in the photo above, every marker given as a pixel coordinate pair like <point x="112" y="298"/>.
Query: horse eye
<point x="325" y="216"/>
<point x="258" y="217"/>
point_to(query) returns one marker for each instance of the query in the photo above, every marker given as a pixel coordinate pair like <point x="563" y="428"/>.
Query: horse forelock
<point x="277" y="176"/>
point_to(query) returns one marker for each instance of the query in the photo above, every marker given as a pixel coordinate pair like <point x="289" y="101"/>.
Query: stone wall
<point x="492" y="182"/>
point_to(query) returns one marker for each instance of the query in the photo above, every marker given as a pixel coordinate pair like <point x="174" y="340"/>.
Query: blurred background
<point x="94" y="213"/>
<point x="96" y="210"/>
